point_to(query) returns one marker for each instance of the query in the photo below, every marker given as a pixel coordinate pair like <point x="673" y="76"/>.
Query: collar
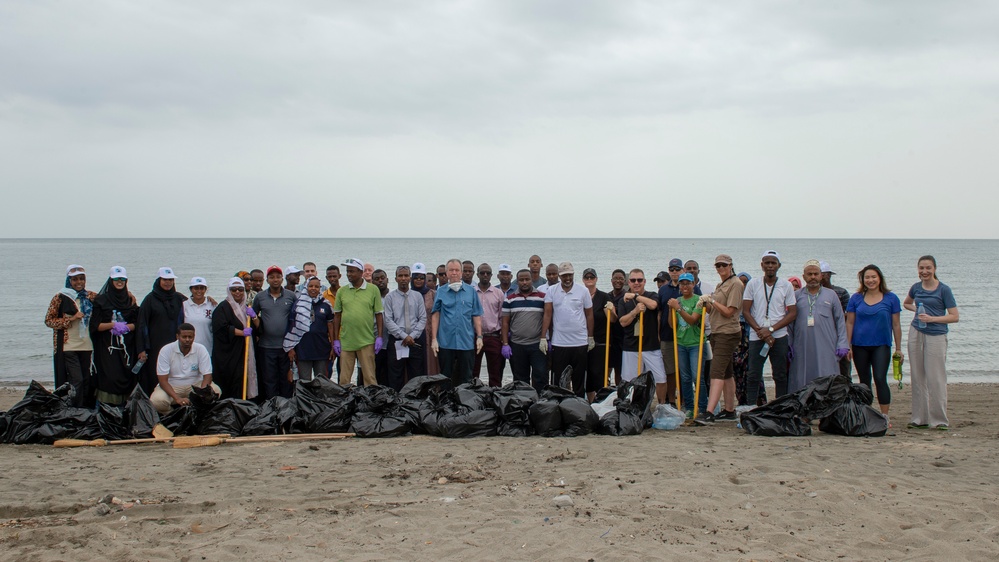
<point x="364" y="285"/>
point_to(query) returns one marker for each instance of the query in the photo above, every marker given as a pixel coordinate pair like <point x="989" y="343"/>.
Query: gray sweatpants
<point x="928" y="370"/>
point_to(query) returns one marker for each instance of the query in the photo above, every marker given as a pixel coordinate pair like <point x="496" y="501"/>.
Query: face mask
<point x="455" y="286"/>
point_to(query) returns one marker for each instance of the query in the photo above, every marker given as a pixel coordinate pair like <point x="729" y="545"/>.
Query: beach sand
<point x="714" y="492"/>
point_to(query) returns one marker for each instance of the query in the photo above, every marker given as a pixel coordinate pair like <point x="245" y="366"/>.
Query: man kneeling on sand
<point x="180" y="366"/>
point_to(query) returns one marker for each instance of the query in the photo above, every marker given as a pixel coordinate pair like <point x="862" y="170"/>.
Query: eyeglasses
<point x="236" y="289"/>
<point x="721" y="265"/>
<point x="676" y="269"/>
<point x="636" y="280"/>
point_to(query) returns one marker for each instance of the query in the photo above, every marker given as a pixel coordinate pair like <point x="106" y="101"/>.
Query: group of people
<point x="258" y="340"/>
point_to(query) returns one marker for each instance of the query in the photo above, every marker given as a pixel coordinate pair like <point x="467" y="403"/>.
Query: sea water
<point x="34" y="271"/>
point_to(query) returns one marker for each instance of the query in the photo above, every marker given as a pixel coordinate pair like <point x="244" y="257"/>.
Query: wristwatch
<point x="771" y="329"/>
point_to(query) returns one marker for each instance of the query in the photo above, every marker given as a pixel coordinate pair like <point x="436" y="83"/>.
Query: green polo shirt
<point x="357" y="308"/>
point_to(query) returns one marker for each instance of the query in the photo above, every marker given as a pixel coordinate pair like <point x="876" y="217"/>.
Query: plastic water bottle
<point x="765" y="350"/>
<point x="138" y="366"/>
<point x="920" y="309"/>
<point x="896" y="368"/>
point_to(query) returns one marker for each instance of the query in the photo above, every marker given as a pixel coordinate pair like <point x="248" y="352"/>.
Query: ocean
<point x="970" y="267"/>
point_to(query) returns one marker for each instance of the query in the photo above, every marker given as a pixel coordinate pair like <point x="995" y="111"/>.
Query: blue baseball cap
<point x="687" y="277"/>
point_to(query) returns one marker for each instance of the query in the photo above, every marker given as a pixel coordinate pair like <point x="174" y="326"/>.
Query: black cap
<point x="589" y="271"/>
<point x="661" y="276"/>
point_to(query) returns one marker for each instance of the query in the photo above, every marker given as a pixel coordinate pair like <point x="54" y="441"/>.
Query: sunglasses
<point x="122" y="279"/>
<point x="676" y="269"/>
<point x="721" y="265"/>
<point x="236" y="289"/>
<point x="637" y="280"/>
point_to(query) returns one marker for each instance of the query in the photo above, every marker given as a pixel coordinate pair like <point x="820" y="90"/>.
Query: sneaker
<point x="705" y="418"/>
<point x="726" y="415"/>
<point x="690" y="414"/>
<point x="913" y="425"/>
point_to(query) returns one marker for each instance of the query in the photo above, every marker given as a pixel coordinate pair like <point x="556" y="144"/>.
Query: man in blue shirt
<point x="456" y="326"/>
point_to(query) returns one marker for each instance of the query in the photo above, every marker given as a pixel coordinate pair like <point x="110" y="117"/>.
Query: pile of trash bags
<point x="425" y="405"/>
<point x="844" y="408"/>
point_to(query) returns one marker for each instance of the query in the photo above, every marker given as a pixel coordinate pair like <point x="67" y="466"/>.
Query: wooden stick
<point x="700" y="363"/>
<point x="607" y="345"/>
<point x="64" y="443"/>
<point x="676" y="362"/>
<point x="246" y="353"/>
<point x="211" y="441"/>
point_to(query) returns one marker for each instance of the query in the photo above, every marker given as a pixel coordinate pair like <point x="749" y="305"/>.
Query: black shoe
<point x="705" y="418"/>
<point x="726" y="415"/>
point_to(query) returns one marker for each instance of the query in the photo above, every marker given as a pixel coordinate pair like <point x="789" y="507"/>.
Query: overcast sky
<point x="496" y="119"/>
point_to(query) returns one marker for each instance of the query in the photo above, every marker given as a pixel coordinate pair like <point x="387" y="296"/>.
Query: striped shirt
<point x="526" y="313"/>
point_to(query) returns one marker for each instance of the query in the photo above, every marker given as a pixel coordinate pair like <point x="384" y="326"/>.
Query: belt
<point x="491" y="335"/>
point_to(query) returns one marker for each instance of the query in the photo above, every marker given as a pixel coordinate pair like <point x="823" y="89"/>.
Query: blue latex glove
<point x="247" y="332"/>
<point x="379" y="344"/>
<point x="507" y="352"/>
<point x="841" y="353"/>
<point x="336" y="347"/>
<point x="790" y="352"/>
<point x="250" y="313"/>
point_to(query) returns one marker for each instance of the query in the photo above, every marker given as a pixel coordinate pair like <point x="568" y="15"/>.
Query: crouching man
<point x="180" y="366"/>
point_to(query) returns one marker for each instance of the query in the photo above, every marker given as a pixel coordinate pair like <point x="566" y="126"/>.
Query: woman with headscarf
<point x="112" y="331"/>
<point x="309" y="339"/>
<point x="418" y="282"/>
<point x="232" y="327"/>
<point x="69" y="316"/>
<point x="160" y="314"/>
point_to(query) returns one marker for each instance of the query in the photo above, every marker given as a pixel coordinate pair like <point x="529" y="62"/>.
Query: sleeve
<point x="747" y="291"/>
<point x="256" y="303"/>
<point x="379" y="307"/>
<point x="437" y="303"/>
<point x="948" y="297"/>
<point x="163" y="363"/>
<point x="476" y="305"/>
<point x="548" y="297"/>
<point x="790" y="299"/>
<point x="838" y="316"/>
<point x="896" y="306"/>
<point x="851" y="306"/>
<point x="912" y="291"/>
<point x="222" y="327"/>
<point x="53" y="317"/>
<point x="388" y="320"/>
<point x="204" y="362"/>
<point x="505" y="310"/>
<point x="588" y="300"/>
<point x="735" y="296"/>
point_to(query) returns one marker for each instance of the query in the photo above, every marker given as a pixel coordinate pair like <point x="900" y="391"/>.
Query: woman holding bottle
<point x="935" y="308"/>
<point x="872" y="319"/>
<point x="112" y="329"/>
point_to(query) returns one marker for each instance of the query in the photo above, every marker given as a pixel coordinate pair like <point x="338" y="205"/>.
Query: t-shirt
<point x="526" y="313"/>
<point x="872" y="323"/>
<point x="357" y="307"/>
<point x="936" y="303"/>
<point x="455" y="327"/>
<point x="600" y="299"/>
<point x="687" y="335"/>
<point x="274" y="313"/>
<point x="183" y="370"/>
<point x="769" y="311"/>
<point x="568" y="314"/>
<point x="666" y="292"/>
<point x="729" y="293"/>
<point x="200" y="316"/>
<point x="649" y="325"/>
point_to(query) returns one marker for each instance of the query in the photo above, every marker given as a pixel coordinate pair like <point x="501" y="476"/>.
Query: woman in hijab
<point x="232" y="328"/>
<point x="160" y="313"/>
<point x="69" y="316"/>
<point x="419" y="283"/>
<point x="309" y="341"/>
<point x="112" y="331"/>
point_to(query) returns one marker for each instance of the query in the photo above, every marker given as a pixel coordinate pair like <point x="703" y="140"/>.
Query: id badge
<point x="766" y="322"/>
<point x="811" y="321"/>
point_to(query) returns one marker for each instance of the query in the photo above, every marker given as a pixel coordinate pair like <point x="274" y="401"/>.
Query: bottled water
<point x="920" y="309"/>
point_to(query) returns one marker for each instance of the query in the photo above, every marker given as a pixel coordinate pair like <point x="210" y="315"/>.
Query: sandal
<point x="942" y="427"/>
<point x="913" y="425"/>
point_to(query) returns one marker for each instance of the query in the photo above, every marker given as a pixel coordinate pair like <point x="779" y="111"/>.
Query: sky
<point x="508" y="118"/>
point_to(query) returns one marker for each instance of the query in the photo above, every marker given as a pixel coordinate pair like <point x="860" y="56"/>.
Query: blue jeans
<point x="688" y="370"/>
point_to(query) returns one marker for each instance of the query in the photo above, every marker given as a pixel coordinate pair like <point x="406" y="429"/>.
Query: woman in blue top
<point x="872" y="318"/>
<point x="928" y="345"/>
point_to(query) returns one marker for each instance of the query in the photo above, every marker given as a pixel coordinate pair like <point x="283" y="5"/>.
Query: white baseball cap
<point x="505" y="267"/>
<point x="824" y="267"/>
<point x="198" y="282"/>
<point x="353" y="262"/>
<point x="772" y="254"/>
<point x="419" y="268"/>
<point x="291" y="269"/>
<point x="235" y="282"/>
<point x="166" y="273"/>
<point x="118" y="272"/>
<point x="74" y="270"/>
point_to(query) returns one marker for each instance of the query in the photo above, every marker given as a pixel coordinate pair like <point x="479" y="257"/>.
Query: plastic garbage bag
<point x="470" y="423"/>
<point x="142" y="415"/>
<point x="379" y="413"/>
<point x="43" y="417"/>
<point x="781" y="417"/>
<point x="513" y="403"/>
<point x="227" y="416"/>
<point x="667" y="417"/>
<point x="415" y="392"/>
<point x="322" y="406"/>
<point x="632" y="412"/>
<point x="275" y="417"/>
<point x="823" y="395"/>
<point x="457" y="413"/>
<point x="560" y="413"/>
<point x="112" y="421"/>
<point x="855" y="417"/>
<point x="180" y="421"/>
<point x="605" y="405"/>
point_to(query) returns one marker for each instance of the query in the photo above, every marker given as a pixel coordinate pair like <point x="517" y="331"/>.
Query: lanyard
<point x="770" y="296"/>
<point x="811" y="302"/>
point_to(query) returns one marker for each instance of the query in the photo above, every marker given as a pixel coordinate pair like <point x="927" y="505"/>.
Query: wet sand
<point x="712" y="492"/>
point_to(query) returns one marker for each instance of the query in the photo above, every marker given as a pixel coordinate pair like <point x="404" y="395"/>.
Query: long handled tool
<point x="246" y="359"/>
<point x="607" y="352"/>
<point x="641" y="330"/>
<point x="700" y="364"/>
<point x="676" y="362"/>
<point x="214" y="440"/>
<point x="63" y="443"/>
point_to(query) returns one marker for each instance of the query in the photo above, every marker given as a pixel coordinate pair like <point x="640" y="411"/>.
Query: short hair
<point x="400" y="268"/>
<point x="450" y="261"/>
<point x="377" y="271"/>
<point x="468" y="262"/>
<point x="621" y="271"/>
<point x="185" y="327"/>
<point x="527" y="271"/>
<point x="313" y="264"/>
<point x="441" y="265"/>
<point x="252" y="271"/>
<point x="636" y="270"/>
<point x="693" y="262"/>
<point x="332" y="268"/>
<point x="551" y="265"/>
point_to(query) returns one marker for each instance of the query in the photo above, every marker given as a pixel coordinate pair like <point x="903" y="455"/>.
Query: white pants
<point x="651" y="361"/>
<point x="163" y="402"/>
<point x="928" y="371"/>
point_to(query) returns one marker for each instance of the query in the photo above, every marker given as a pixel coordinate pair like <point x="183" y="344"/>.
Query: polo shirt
<point x="649" y="328"/>
<point x="526" y="313"/>
<point x="781" y="297"/>
<point x="728" y="293"/>
<point x="184" y="370"/>
<point x="274" y="313"/>
<point x="456" y="308"/>
<point x="492" y="308"/>
<point x="569" y="314"/>
<point x="357" y="307"/>
<point x="200" y="316"/>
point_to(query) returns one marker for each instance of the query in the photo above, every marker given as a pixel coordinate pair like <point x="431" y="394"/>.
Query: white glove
<point x="435" y="347"/>
<point x="590" y="344"/>
<point x="543" y="346"/>
<point x="478" y="344"/>
<point x="705" y="299"/>
<point x="609" y="306"/>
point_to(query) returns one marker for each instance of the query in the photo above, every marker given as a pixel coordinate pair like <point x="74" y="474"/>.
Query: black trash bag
<point x="546" y="418"/>
<point x="202" y="401"/>
<point x="322" y="406"/>
<point x="112" y="421"/>
<point x="142" y="416"/>
<point x="227" y="416"/>
<point x="180" y="421"/>
<point x="856" y="417"/>
<point x="439" y="403"/>
<point x="572" y="415"/>
<point x="603" y="393"/>
<point x="43" y="417"/>
<point x="578" y="417"/>
<point x="275" y="417"/>
<point x="513" y="404"/>
<point x="418" y="388"/>
<point x="823" y="395"/>
<point x="457" y="413"/>
<point x="631" y="413"/>
<point x="379" y="413"/>
<point x="476" y="395"/>
<point x="471" y="423"/>
<point x="781" y="417"/>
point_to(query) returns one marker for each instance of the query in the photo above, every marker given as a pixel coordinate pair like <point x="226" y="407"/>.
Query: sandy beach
<point x="713" y="492"/>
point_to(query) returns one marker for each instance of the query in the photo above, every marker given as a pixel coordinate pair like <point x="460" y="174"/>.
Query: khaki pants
<point x="928" y="373"/>
<point x="163" y="402"/>
<point x="366" y="357"/>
